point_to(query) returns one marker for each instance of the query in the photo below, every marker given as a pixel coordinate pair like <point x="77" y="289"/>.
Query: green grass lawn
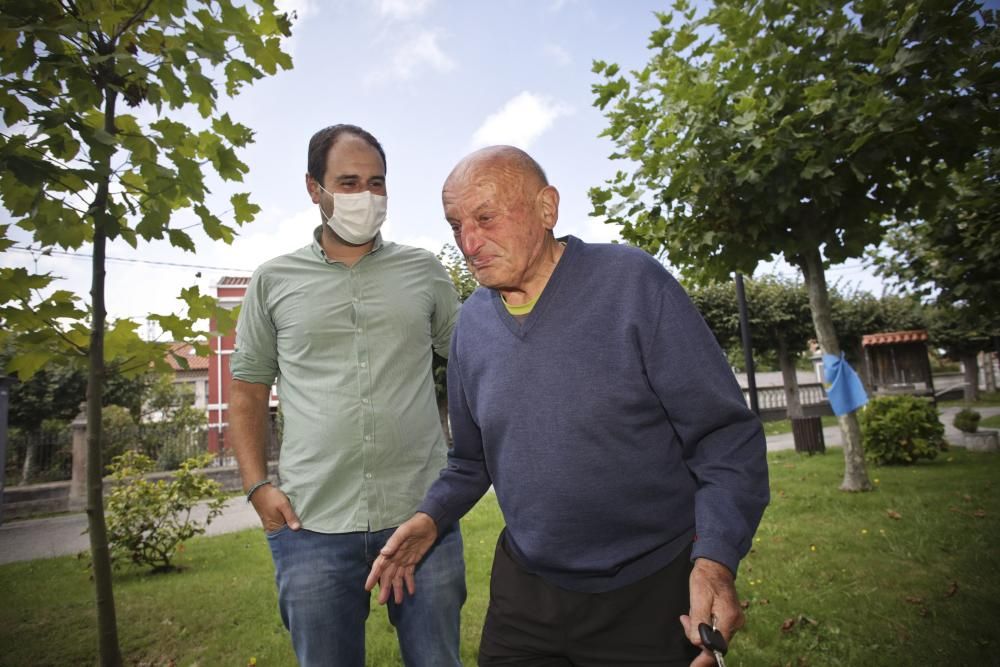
<point x="785" y="425"/>
<point x="906" y="575"/>
<point x="990" y="422"/>
<point x="986" y="398"/>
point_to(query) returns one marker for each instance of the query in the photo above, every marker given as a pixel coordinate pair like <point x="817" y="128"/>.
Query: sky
<point x="432" y="80"/>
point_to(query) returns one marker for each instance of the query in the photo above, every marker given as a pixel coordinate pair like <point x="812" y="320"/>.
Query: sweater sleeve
<point x="465" y="479"/>
<point x="723" y="441"/>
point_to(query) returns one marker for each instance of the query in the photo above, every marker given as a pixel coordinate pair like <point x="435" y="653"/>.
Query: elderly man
<point x="347" y="325"/>
<point x="585" y="387"/>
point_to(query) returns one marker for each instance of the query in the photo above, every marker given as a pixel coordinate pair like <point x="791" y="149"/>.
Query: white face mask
<point x="356" y="217"/>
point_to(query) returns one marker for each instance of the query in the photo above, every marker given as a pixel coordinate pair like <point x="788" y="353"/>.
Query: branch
<point x="131" y="21"/>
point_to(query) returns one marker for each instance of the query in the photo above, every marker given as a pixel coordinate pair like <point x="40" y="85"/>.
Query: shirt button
<point x="364" y="364"/>
<point x="368" y="438"/>
<point x="360" y="330"/>
<point x="368" y="475"/>
<point x="355" y="299"/>
<point x="365" y="401"/>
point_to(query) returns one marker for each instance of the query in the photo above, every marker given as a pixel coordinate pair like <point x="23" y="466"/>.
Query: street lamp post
<point x="741" y="300"/>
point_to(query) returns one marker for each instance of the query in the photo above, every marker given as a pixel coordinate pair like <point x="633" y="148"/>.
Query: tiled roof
<point x="892" y="337"/>
<point x="233" y="281"/>
<point x="195" y="363"/>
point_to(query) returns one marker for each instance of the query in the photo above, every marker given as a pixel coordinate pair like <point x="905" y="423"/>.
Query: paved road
<point x="63" y="535"/>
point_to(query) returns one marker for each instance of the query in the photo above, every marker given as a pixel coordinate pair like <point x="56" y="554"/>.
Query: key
<point x="713" y="641"/>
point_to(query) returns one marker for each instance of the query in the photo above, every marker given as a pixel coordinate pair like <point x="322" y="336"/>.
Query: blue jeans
<point x="324" y="605"/>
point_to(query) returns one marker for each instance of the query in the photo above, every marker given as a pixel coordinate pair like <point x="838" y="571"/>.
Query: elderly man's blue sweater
<point x="607" y="420"/>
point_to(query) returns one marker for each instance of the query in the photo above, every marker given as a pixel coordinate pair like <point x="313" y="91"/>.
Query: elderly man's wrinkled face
<point x="498" y="216"/>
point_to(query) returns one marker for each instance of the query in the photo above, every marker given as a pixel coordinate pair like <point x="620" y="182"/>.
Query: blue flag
<point x="845" y="391"/>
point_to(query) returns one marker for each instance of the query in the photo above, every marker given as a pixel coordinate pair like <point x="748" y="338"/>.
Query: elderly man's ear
<point x="548" y="202"/>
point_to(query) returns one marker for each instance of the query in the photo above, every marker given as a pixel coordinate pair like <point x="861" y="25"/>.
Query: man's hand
<point x="399" y="557"/>
<point x="274" y="509"/>
<point x="712" y="594"/>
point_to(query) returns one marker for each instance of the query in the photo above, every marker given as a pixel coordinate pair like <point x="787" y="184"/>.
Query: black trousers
<point x="532" y="623"/>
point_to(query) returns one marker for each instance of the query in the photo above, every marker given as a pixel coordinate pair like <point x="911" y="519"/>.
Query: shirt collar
<point x="318" y="245"/>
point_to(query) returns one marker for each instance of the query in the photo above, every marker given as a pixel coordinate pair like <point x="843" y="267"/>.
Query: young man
<point x="347" y="325"/>
<point x="585" y="387"/>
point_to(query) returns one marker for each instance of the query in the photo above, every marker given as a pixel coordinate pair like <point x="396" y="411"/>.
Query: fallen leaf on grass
<point x="913" y="599"/>
<point x="979" y="513"/>
<point x="744" y="605"/>
<point x="923" y="611"/>
<point x="801" y="620"/>
<point x="893" y="514"/>
<point x="952" y="589"/>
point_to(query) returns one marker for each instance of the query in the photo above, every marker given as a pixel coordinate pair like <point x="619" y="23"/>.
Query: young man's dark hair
<point x="320" y="144"/>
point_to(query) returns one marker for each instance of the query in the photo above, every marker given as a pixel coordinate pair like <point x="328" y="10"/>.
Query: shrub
<point x="967" y="420"/>
<point x="899" y="430"/>
<point x="119" y="433"/>
<point x="148" y="520"/>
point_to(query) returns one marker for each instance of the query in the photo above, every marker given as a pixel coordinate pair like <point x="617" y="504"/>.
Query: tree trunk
<point x="107" y="623"/>
<point x="855" y="473"/>
<point x="793" y="407"/>
<point x="970" y="375"/>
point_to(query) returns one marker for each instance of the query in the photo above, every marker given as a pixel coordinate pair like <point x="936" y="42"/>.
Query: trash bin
<point x="808" y="435"/>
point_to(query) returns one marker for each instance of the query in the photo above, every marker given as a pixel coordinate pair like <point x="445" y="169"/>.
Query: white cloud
<point x="521" y="121"/>
<point x="558" y="55"/>
<point x="589" y="228"/>
<point x="401" y="10"/>
<point x="419" y="51"/>
<point x="423" y="49"/>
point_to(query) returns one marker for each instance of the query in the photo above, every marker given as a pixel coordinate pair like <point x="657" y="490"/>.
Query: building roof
<point x="893" y="337"/>
<point x="195" y="363"/>
<point x="233" y="281"/>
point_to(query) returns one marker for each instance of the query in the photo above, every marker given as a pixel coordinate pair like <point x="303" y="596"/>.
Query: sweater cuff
<point x="437" y="512"/>
<point x="712" y="548"/>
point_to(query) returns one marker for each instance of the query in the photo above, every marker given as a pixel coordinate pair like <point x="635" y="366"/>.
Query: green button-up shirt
<point x="351" y="350"/>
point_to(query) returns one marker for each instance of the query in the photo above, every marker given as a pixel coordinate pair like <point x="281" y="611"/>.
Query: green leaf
<point x="236" y="134"/>
<point x="180" y="239"/>
<point x="243" y="209"/>
<point x="28" y="362"/>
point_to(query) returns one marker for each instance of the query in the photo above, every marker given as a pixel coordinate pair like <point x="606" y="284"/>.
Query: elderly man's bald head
<point x="507" y="160"/>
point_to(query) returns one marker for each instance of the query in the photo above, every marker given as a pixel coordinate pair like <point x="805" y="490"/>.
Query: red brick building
<point x="230" y="291"/>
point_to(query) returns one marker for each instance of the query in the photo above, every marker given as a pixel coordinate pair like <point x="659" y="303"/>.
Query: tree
<point x="768" y="128"/>
<point x="716" y="301"/>
<point x="49" y="399"/>
<point x="963" y="331"/>
<point x="458" y="269"/>
<point x="956" y="251"/>
<point x="77" y="168"/>
<point x="954" y="255"/>
<point x="780" y="325"/>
